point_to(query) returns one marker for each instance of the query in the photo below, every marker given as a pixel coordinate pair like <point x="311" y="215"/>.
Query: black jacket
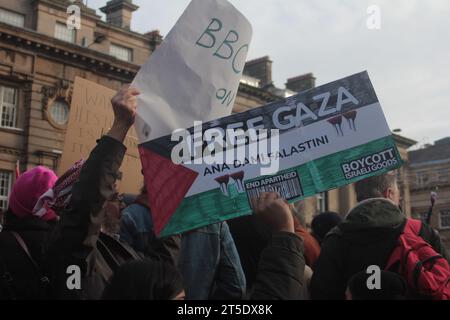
<point x="280" y="274"/>
<point x="25" y="278"/>
<point x="251" y="236"/>
<point x="366" y="237"/>
<point x="78" y="240"/>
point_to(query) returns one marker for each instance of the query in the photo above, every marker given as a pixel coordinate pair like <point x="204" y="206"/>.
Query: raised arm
<point x="281" y="266"/>
<point x="80" y="222"/>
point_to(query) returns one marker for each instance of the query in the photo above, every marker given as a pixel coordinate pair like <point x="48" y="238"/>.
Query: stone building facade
<point x="39" y="60"/>
<point x="430" y="172"/>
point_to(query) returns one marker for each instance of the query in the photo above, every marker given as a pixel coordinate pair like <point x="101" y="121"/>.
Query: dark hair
<point x="374" y="187"/>
<point x="393" y="287"/>
<point x="323" y="223"/>
<point x="144" y="280"/>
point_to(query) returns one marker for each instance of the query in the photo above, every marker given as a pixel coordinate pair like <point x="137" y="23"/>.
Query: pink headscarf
<point x="27" y="190"/>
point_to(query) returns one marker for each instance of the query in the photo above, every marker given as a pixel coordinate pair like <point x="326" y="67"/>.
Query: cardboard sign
<point x="91" y="116"/>
<point x="329" y="136"/>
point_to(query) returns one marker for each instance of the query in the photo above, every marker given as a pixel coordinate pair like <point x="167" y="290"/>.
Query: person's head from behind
<point x="391" y="287"/>
<point x="383" y="186"/>
<point x="323" y="223"/>
<point x="145" y="280"/>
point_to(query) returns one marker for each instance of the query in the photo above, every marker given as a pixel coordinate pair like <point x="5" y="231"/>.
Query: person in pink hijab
<point x="38" y="193"/>
<point x="28" y="189"/>
<point x="36" y="200"/>
<point x="24" y="237"/>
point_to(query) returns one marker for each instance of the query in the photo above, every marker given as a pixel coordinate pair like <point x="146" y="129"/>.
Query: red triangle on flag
<point x="167" y="184"/>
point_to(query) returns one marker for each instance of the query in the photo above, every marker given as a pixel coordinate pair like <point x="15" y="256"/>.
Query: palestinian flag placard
<point x="328" y="137"/>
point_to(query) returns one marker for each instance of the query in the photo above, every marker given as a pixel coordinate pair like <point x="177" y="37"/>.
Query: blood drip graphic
<point x="337" y="122"/>
<point x="238" y="177"/>
<point x="223" y="182"/>
<point x="351" y="116"/>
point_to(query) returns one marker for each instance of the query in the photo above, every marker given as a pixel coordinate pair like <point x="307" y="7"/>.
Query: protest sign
<point x="192" y="76"/>
<point x="329" y="136"/>
<point x="91" y="116"/>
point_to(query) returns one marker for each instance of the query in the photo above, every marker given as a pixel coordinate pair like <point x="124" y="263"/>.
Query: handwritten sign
<point x="194" y="74"/>
<point x="91" y="116"/>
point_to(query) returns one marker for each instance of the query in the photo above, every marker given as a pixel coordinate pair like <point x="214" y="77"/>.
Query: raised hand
<point x="124" y="105"/>
<point x="274" y="211"/>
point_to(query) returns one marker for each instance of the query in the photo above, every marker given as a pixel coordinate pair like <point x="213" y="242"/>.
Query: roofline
<point x="91" y="13"/>
<point x="403" y="140"/>
<point x="257" y="60"/>
<point x="427" y="163"/>
<point x="42" y="44"/>
<point x="269" y="97"/>
<point x="111" y="5"/>
<point x="84" y="9"/>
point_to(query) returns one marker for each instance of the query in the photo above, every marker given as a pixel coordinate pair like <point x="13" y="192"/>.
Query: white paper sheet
<point x="194" y="74"/>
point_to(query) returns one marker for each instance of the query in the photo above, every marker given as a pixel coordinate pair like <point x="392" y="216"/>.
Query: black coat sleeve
<point x="74" y="242"/>
<point x="281" y="269"/>
<point x="81" y="221"/>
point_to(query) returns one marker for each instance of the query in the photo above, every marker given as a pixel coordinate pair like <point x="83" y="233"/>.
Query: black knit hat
<point x="323" y="223"/>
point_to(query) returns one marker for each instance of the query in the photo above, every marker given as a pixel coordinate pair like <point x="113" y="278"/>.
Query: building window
<point x="445" y="219"/>
<point x="422" y="179"/>
<point x="59" y="112"/>
<point x="62" y="32"/>
<point x="121" y="53"/>
<point x="84" y="42"/>
<point x="5" y="189"/>
<point x="8" y="104"/>
<point x="443" y="175"/>
<point x="322" y="199"/>
<point x="12" y="18"/>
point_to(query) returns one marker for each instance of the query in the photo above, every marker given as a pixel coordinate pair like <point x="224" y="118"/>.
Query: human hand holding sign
<point x="124" y="105"/>
<point x="274" y="211"/>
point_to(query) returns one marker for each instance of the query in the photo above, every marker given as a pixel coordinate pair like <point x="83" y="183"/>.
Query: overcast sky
<point x="408" y="59"/>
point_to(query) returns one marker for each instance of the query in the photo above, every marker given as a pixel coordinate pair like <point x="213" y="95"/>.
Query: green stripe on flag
<point x="315" y="176"/>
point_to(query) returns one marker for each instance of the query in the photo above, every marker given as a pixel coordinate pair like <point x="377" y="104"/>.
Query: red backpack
<point x="426" y="272"/>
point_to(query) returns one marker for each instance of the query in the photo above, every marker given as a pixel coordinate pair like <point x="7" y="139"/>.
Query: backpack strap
<point x="24" y="247"/>
<point x="43" y="279"/>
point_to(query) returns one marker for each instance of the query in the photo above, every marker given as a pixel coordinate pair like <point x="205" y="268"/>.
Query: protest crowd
<point x="59" y="227"/>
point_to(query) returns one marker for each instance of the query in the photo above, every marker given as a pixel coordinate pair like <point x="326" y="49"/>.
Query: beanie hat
<point x="323" y="223"/>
